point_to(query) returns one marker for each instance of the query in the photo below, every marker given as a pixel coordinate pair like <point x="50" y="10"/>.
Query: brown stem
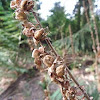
<point x="37" y="19"/>
<point x="94" y="21"/>
<point x="85" y="94"/>
<point x="71" y="39"/>
<point x="50" y="45"/>
<point x="92" y="36"/>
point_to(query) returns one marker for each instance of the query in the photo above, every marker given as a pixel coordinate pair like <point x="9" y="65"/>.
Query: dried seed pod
<point x="38" y="34"/>
<point x="27" y="24"/>
<point x="27" y="5"/>
<point x="20" y="15"/>
<point x="48" y="60"/>
<point x="60" y="71"/>
<point x="28" y="32"/>
<point x="37" y="61"/>
<point x="41" y="49"/>
<point x="35" y="53"/>
<point x="13" y="4"/>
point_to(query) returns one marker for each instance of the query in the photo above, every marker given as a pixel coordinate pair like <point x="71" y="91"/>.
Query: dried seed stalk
<point x="56" y="68"/>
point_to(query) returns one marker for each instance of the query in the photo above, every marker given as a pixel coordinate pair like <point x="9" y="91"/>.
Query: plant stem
<point x="85" y="94"/>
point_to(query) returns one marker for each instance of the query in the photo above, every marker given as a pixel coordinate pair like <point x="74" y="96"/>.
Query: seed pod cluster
<point x="54" y="67"/>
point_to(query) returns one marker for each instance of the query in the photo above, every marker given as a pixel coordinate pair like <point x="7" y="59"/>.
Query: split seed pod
<point x="38" y="34"/>
<point x="27" y="24"/>
<point x="60" y="71"/>
<point x="20" y="15"/>
<point x="35" y="53"/>
<point x="28" y="32"/>
<point x="27" y="5"/>
<point x="41" y="49"/>
<point x="48" y="60"/>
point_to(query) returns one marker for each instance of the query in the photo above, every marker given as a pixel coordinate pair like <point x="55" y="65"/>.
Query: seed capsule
<point x="60" y="71"/>
<point x="35" y="53"/>
<point x="28" y="32"/>
<point x="41" y="49"/>
<point x="27" y="5"/>
<point x="48" y="60"/>
<point x="38" y="34"/>
<point x="27" y="24"/>
<point x="20" y="15"/>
